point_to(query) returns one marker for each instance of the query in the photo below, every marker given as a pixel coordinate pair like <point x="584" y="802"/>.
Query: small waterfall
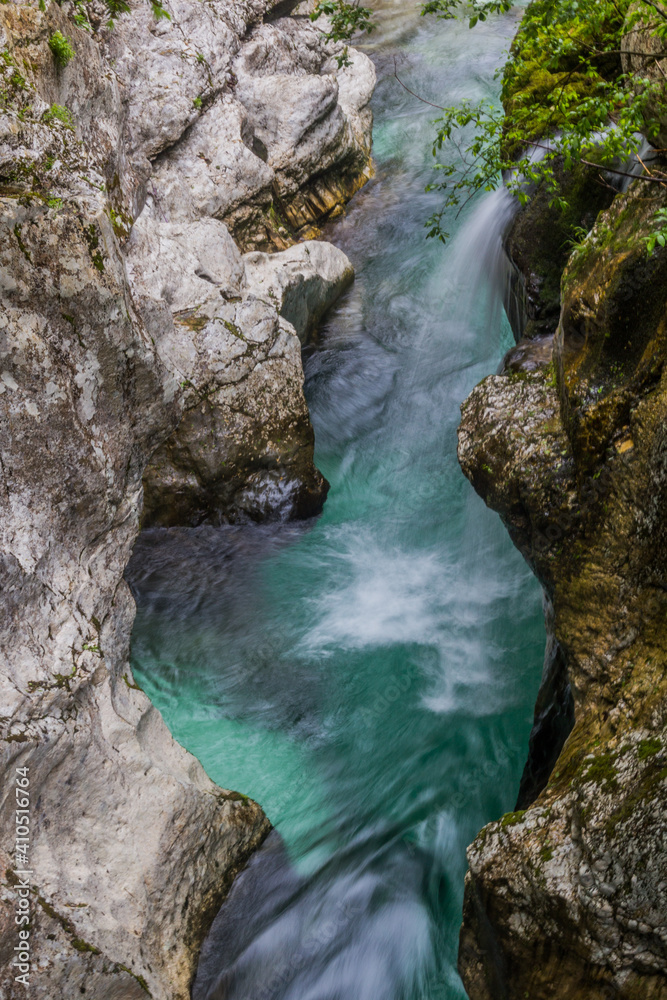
<point x="481" y="265"/>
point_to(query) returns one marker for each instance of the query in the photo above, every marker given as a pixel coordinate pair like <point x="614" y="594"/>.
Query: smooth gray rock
<point x="303" y="281"/>
<point x="285" y="119"/>
<point x="228" y="329"/>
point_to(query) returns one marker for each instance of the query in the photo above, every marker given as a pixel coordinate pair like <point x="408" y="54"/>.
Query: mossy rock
<point x="540" y="241"/>
<point x="543" y="64"/>
<point x="612" y="340"/>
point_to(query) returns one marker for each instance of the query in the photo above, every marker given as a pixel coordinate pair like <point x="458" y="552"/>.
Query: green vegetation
<point x="93" y="242"/>
<point x="159" y="11"/>
<point x="563" y="90"/>
<point x="345" y="20"/>
<point x="68" y="927"/>
<point x="511" y="819"/>
<point x="122" y="224"/>
<point x="80" y="18"/>
<point x="566" y="100"/>
<point x="59" y="113"/>
<point x="546" y="853"/>
<point x="645" y="788"/>
<point x="603" y="772"/>
<point x="658" y="237"/>
<point x="649" y="748"/>
<point x="139" y="979"/>
<point x="117" y="7"/>
<point x="61" y="47"/>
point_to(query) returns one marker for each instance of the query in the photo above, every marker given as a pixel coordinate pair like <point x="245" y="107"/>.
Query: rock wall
<point x="143" y="325"/>
<point x="567" y="897"/>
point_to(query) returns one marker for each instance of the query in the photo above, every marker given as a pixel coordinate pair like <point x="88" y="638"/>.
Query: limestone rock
<point x="129" y="318"/>
<point x="284" y="143"/>
<point x="116" y="884"/>
<point x="303" y="281"/>
<point x="221" y="324"/>
<point x="538" y="244"/>
<point x="611" y="343"/>
<point x="214" y="172"/>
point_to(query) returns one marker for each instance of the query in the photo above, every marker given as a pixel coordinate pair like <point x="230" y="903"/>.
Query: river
<point x="368" y="677"/>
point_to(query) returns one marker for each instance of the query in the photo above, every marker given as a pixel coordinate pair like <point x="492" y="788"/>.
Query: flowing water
<point x="368" y="677"/>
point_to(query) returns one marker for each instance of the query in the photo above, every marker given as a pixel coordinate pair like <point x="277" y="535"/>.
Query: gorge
<point x="367" y="675"/>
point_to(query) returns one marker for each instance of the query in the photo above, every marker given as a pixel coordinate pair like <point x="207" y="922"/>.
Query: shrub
<point x="59" y="113"/>
<point x="61" y="48"/>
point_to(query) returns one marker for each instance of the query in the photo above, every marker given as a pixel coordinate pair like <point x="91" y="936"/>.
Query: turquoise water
<point x="368" y="677"/>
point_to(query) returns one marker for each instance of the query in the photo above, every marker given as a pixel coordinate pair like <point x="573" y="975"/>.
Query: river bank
<point x="567" y="896"/>
<point x="146" y="335"/>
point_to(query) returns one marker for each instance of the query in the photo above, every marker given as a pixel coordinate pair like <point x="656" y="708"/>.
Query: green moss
<point x="80" y="945"/>
<point x="193" y="322"/>
<point x="120" y="221"/>
<point x="17" y="80"/>
<point x="648" y="748"/>
<point x="64" y="680"/>
<point x="653" y="776"/>
<point x="234" y="797"/>
<point x="93" y="240"/>
<point x="546" y="853"/>
<point x="139" y="979"/>
<point x="22" y="247"/>
<point x="542" y="81"/>
<point x="132" y="687"/>
<point x="511" y="819"/>
<point x="602" y="772"/>
<point x="234" y="330"/>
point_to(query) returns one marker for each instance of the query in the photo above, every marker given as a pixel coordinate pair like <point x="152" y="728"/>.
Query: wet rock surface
<point x="129" y="319"/>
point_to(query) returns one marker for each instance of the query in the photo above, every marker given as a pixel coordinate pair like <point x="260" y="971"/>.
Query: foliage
<point x="477" y="10"/>
<point x="159" y="11"/>
<point x="566" y="99"/>
<point x="660" y="234"/>
<point x="80" y="18"/>
<point x="61" y="48"/>
<point x="345" y="20"/>
<point x="59" y="113"/>
<point x="117" y="7"/>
